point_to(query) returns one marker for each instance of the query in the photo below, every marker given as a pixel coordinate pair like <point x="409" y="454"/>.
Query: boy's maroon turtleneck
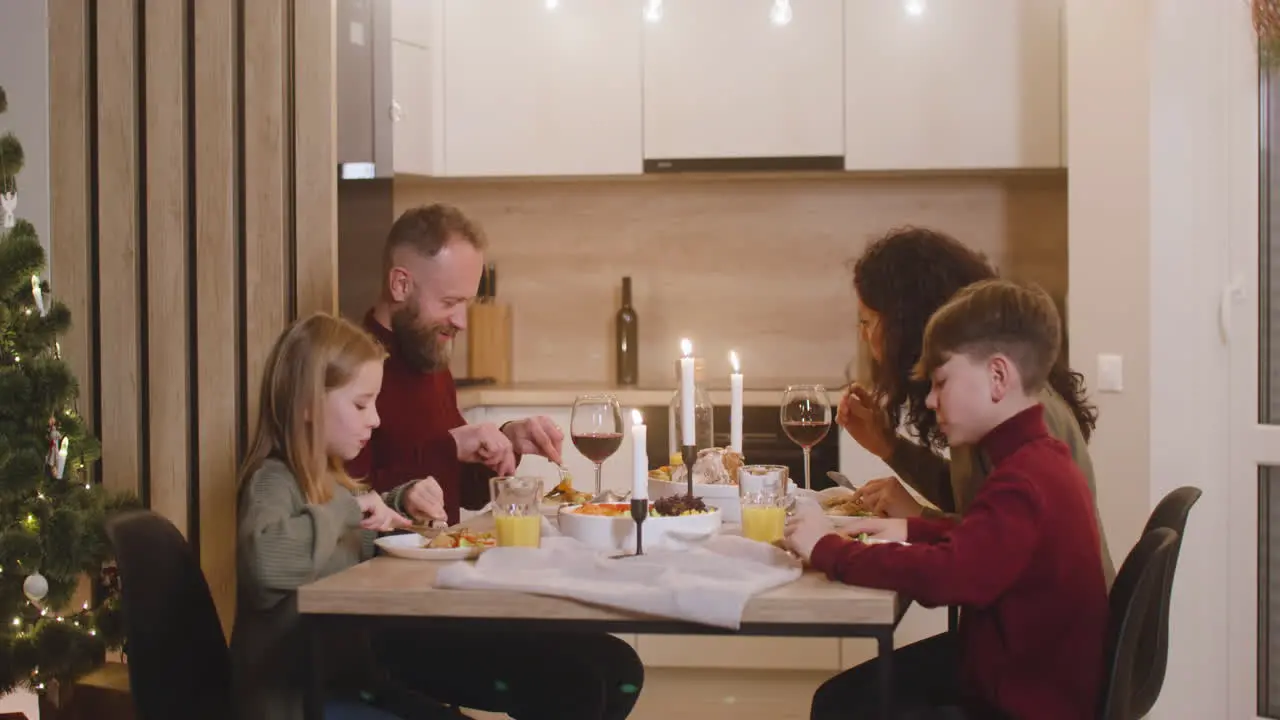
<point x="418" y="409"/>
<point x="1025" y="564"/>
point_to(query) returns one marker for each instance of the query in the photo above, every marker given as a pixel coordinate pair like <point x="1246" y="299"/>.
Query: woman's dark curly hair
<point x="904" y="277"/>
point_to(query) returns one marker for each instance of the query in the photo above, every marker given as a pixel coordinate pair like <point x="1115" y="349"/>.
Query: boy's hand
<point x="804" y="530"/>
<point x="887" y="497"/>
<point x="894" y="529"/>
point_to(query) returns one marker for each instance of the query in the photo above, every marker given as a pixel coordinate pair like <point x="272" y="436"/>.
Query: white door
<point x="1251" y="316"/>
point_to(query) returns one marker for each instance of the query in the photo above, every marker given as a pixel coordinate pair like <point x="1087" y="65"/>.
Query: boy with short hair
<point x="1025" y="561"/>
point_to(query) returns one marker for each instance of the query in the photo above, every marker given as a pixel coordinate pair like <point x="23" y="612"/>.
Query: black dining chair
<point x="1138" y="608"/>
<point x="1153" y="648"/>
<point x="179" y="666"/>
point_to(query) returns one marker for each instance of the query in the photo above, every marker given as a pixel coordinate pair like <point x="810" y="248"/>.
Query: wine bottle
<point x="625" y="331"/>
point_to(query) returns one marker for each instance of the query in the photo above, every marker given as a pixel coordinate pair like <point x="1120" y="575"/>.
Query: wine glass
<point x="806" y="419"/>
<point x="596" y="429"/>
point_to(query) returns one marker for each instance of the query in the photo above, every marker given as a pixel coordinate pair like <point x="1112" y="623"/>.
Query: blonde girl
<point x="300" y="517"/>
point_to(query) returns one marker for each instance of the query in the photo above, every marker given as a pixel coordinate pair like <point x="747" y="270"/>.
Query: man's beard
<point x="420" y="346"/>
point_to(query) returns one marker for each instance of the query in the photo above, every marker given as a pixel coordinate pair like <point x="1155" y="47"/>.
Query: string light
<point x="17" y="622"/>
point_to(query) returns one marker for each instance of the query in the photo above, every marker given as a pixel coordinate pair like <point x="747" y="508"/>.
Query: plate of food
<point x="458" y="543"/>
<point x="673" y="521"/>
<point x="715" y="480"/>
<point x="840" y="502"/>
<point x="563" y="494"/>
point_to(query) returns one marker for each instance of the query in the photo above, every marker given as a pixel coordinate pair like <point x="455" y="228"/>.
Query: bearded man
<point x="432" y="262"/>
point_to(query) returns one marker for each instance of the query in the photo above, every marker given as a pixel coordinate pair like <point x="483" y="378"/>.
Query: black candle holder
<point x="639" y="511"/>
<point x="689" y="455"/>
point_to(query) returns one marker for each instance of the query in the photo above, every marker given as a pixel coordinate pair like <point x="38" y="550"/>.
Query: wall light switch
<point x="356" y="34"/>
<point x="1110" y="373"/>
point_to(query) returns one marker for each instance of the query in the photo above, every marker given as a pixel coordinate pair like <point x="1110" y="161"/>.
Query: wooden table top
<point x="387" y="586"/>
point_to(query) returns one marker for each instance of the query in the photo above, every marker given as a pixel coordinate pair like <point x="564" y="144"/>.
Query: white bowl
<point x="618" y="533"/>
<point x="723" y="497"/>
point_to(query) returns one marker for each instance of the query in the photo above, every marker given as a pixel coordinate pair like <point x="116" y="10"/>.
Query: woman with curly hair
<point x="901" y="280"/>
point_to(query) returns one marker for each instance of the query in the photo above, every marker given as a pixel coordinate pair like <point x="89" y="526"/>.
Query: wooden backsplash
<point x="753" y="263"/>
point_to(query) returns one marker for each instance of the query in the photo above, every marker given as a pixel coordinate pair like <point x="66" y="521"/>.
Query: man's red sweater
<point x="418" y="409"/>
<point x="1025" y="565"/>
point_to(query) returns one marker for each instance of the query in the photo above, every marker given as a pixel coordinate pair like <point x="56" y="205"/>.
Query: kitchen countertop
<point x="553" y="394"/>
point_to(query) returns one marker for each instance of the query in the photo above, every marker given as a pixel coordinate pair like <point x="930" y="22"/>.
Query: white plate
<point x="410" y="545"/>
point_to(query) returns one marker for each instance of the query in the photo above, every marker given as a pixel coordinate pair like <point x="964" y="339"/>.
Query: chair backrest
<point x="179" y="665"/>
<point x="1153" y="648"/>
<point x="1135" y="605"/>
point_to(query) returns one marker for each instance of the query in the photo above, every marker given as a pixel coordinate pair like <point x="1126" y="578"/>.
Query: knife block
<point x="489" y="341"/>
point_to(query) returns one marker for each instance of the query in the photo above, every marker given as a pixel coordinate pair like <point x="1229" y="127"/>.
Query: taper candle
<point x="686" y="396"/>
<point x="639" y="457"/>
<point x="735" y="403"/>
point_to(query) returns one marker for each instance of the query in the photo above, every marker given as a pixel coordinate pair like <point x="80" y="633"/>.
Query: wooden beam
<point x="168" y="341"/>
<point x="118" y="239"/>
<point x="69" y="187"/>
<point x="316" y="170"/>
<point x="217" y="337"/>
<point x="266" y="261"/>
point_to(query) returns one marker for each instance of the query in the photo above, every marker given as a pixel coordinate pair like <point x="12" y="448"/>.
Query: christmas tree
<point x="51" y="514"/>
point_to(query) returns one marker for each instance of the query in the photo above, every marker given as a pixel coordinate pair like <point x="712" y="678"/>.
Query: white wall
<point x="1152" y="86"/>
<point x="24" y="74"/>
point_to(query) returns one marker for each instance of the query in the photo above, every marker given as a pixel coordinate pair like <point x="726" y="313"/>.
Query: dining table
<point x="389" y="592"/>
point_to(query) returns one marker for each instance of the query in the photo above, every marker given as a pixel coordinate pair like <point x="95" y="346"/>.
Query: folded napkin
<point x="708" y="584"/>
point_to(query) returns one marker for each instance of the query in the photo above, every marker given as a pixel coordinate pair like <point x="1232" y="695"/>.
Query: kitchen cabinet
<point x="539" y="88"/>
<point x="953" y="84"/>
<point x="417" y="129"/>
<point x="415" y="21"/>
<point x="722" y="80"/>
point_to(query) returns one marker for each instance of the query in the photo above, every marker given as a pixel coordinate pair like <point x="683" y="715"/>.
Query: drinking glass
<point x="517" y="515"/>
<point x="806" y="419"/>
<point x="762" y="490"/>
<point x="596" y="429"/>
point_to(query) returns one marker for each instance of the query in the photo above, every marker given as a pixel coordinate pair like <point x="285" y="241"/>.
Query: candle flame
<point x="636" y="417"/>
<point x="686" y="347"/>
<point x="733" y="360"/>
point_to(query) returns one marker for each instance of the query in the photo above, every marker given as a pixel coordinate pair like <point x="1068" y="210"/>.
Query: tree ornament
<point x="35" y="587"/>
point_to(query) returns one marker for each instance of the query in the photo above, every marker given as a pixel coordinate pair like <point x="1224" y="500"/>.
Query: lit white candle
<point x="38" y="293"/>
<point x="735" y="403"/>
<point x="639" y="457"/>
<point x="62" y="459"/>
<point x="686" y="395"/>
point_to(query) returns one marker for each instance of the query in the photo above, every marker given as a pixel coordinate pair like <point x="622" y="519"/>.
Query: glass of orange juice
<point x="516" y="510"/>
<point x="762" y="489"/>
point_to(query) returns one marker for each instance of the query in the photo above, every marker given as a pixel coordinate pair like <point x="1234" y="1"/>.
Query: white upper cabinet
<point x="953" y="84"/>
<point x="416" y="129"/>
<point x="539" y="87"/>
<point x="727" y="79"/>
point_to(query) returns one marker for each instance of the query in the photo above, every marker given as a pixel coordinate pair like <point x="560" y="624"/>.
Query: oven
<point x="763" y="442"/>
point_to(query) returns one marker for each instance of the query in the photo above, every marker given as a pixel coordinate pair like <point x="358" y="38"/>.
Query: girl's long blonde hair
<point x="313" y="356"/>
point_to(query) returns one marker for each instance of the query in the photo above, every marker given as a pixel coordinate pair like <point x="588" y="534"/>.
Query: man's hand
<point x="804" y="530"/>
<point x="485" y="444"/>
<point x="536" y="436"/>
<point x="377" y="516"/>
<point x="425" y="500"/>
<point x="887" y="497"/>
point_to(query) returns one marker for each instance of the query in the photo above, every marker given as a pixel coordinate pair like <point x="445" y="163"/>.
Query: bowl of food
<point x="840" y="502"/>
<point x="715" y="480"/>
<point x="673" y="522"/>
<point x="561" y="495"/>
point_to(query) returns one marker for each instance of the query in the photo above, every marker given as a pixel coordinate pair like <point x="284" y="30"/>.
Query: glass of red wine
<point x="806" y="419"/>
<point x="596" y="429"/>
